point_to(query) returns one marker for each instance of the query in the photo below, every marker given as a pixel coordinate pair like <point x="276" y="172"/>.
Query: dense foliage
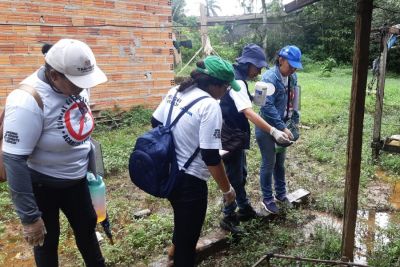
<point x="323" y="30"/>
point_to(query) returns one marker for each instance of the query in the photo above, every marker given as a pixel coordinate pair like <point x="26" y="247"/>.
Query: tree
<point x="265" y="20"/>
<point x="247" y="6"/>
<point x="178" y="14"/>
<point x="211" y="6"/>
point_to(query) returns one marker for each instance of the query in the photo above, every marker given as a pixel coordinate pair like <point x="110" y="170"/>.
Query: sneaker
<point x="270" y="206"/>
<point x="246" y="213"/>
<point x="230" y="223"/>
<point x="285" y="201"/>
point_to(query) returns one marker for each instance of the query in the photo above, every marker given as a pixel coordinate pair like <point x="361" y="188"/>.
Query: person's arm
<point x="22" y="196"/>
<point x="23" y="124"/>
<point x="271" y="114"/>
<point x="214" y="164"/>
<point x="219" y="175"/>
<point x="252" y="116"/>
<point x="21" y="188"/>
<point x="155" y="122"/>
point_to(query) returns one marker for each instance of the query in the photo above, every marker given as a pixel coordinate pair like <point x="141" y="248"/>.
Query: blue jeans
<point x="272" y="164"/>
<point x="236" y="169"/>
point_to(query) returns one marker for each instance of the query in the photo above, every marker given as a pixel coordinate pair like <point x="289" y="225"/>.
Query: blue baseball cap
<point x="293" y="55"/>
<point x="253" y="54"/>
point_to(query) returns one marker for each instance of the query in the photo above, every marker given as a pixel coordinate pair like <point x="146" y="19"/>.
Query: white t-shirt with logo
<point x="56" y="139"/>
<point x="200" y="126"/>
<point x="241" y="98"/>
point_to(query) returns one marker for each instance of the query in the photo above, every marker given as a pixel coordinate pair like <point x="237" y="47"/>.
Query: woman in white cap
<point x="46" y="146"/>
<point x="278" y="108"/>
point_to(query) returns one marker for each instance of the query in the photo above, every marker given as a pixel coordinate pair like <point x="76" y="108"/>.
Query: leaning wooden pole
<point x="376" y="135"/>
<point x="356" y="119"/>
<point x="203" y="25"/>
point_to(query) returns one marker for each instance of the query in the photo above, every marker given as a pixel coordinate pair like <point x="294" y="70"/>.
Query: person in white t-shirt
<point x="45" y="151"/>
<point x="237" y="111"/>
<point x="200" y="127"/>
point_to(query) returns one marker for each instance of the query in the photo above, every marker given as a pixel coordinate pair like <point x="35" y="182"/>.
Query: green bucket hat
<point x="221" y="69"/>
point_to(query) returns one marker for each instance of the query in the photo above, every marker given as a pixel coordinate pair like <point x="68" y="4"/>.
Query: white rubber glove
<point x="289" y="133"/>
<point x="34" y="232"/>
<point x="229" y="196"/>
<point x="279" y="136"/>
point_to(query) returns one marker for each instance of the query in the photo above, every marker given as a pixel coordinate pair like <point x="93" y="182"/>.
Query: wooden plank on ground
<point x="218" y="239"/>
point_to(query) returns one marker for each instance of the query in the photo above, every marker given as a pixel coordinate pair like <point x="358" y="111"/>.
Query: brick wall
<point x="135" y="50"/>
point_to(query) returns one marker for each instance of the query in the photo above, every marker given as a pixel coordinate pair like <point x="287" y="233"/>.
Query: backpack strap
<point x="30" y="90"/>
<point x="33" y="92"/>
<point x="189" y="161"/>
<point x="170" y="109"/>
<point x="185" y="109"/>
<point x="170" y="125"/>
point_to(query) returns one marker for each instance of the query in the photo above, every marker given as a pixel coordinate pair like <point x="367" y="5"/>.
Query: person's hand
<point x="34" y="232"/>
<point x="229" y="196"/>
<point x="279" y="136"/>
<point x="289" y="133"/>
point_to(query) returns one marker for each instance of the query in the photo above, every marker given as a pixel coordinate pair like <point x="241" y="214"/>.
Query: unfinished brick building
<point x="132" y="41"/>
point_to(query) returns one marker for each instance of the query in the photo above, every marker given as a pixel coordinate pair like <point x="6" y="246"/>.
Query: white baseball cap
<point x="76" y="61"/>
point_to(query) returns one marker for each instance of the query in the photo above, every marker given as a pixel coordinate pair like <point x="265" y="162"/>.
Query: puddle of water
<point x="368" y="230"/>
<point x="394" y="198"/>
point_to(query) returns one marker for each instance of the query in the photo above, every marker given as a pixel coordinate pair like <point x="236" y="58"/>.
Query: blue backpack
<point x="153" y="166"/>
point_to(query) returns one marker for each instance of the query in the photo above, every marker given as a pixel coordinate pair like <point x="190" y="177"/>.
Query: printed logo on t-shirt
<point x="217" y="134"/>
<point x="11" y="137"/>
<point x="75" y="121"/>
<point x="177" y="100"/>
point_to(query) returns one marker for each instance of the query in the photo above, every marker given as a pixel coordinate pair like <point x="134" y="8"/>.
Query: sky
<point x="228" y="7"/>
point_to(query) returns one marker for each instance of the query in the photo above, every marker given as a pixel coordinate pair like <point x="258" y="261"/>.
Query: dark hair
<point x="200" y="79"/>
<point x="277" y="56"/>
<point x="45" y="48"/>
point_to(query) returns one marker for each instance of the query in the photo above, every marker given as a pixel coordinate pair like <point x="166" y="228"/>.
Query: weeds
<point x="316" y="162"/>
<point x="387" y="249"/>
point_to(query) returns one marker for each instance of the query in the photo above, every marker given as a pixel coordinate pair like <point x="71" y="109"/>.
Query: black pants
<point x="76" y="204"/>
<point x="189" y="203"/>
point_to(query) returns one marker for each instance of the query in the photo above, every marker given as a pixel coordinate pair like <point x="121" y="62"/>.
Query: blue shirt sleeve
<point x="269" y="111"/>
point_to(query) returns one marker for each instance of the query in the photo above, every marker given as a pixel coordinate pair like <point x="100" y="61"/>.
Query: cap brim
<point x="261" y="64"/>
<point x="88" y="81"/>
<point x="295" y="64"/>
<point x="235" y="85"/>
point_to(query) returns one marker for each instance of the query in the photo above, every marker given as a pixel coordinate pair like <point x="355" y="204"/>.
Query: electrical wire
<point x="133" y="26"/>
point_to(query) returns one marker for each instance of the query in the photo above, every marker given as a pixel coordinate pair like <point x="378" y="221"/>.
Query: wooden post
<point x="203" y="25"/>
<point x="265" y="19"/>
<point x="356" y="119"/>
<point x="376" y="137"/>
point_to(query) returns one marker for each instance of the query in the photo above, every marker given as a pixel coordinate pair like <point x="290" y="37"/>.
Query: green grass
<point x="317" y="163"/>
